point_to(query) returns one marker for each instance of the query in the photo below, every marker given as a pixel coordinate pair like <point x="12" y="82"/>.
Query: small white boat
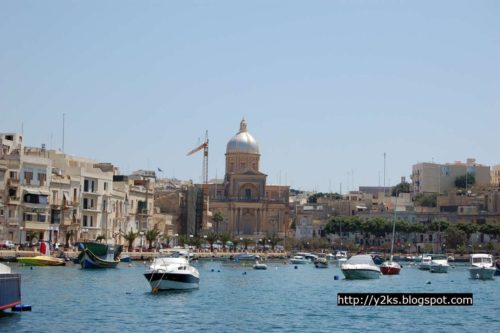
<point x="172" y="271"/>
<point x="481" y="266"/>
<point x="360" y="267"/>
<point x="439" y="263"/>
<point x="300" y="260"/>
<point x="258" y="265"/>
<point x="321" y="263"/>
<point x="425" y="262"/>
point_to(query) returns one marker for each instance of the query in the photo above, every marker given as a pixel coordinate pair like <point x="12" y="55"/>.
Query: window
<point x="91" y="221"/>
<point x="28" y="177"/>
<point x="92" y="185"/>
<point x="85" y="203"/>
<point x="42" y="218"/>
<point x="74" y="195"/>
<point x="54" y="197"/>
<point x="86" y="185"/>
<point x="13" y="175"/>
<point x="36" y="199"/>
<point x="42" y="178"/>
<point x="248" y="193"/>
<point x="84" y="220"/>
<point x="105" y="186"/>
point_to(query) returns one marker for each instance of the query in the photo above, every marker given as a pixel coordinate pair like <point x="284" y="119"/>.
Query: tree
<point x="167" y="240"/>
<point x="246" y="242"/>
<point x="182" y="240"/>
<point x="217" y="218"/>
<point x="151" y="236"/>
<point x="465" y="181"/>
<point x="224" y="238"/>
<point x="455" y="237"/>
<point x="211" y="239"/>
<point x="468" y="228"/>
<point x="274" y="241"/>
<point x="402" y="187"/>
<point x="68" y="234"/>
<point x="130" y="237"/>
<point x="426" y="199"/>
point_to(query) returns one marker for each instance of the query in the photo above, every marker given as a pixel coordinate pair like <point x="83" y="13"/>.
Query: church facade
<point x="251" y="208"/>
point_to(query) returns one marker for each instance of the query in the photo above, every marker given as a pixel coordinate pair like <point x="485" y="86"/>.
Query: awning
<point x="36" y="191"/>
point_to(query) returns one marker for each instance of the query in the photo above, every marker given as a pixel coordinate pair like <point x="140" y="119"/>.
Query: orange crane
<point x="203" y="146"/>
<point x="205" y="201"/>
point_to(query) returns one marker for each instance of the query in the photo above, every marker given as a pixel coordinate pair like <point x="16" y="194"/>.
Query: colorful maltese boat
<point x="44" y="260"/>
<point x="97" y="255"/>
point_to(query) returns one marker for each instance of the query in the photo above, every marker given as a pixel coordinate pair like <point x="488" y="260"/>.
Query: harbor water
<point x="235" y="298"/>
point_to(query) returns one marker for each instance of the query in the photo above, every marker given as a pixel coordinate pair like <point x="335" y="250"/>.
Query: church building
<point x="251" y="208"/>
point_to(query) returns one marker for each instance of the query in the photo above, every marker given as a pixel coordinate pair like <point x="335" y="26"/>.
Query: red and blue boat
<point x="97" y="255"/>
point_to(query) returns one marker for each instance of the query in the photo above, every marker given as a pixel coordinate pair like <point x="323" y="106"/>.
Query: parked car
<point x="7" y="244"/>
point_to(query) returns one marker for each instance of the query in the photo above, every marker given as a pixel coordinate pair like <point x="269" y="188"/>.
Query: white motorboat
<point x="360" y="267"/>
<point x="300" y="260"/>
<point x="425" y="262"/>
<point x="172" y="270"/>
<point x="258" y="265"/>
<point x="321" y="263"/>
<point x="482" y="266"/>
<point x="439" y="263"/>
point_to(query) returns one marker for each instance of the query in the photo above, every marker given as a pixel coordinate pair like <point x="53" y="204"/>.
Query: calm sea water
<point x="281" y="299"/>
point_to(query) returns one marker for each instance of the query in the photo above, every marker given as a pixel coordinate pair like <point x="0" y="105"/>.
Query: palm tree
<point x="211" y="239"/>
<point x="130" y="238"/>
<point x="151" y="236"/>
<point x="217" y="218"/>
<point x="68" y="235"/>
<point x="246" y="242"/>
<point x="224" y="238"/>
<point x="167" y="240"/>
<point x="182" y="240"/>
<point x="274" y="241"/>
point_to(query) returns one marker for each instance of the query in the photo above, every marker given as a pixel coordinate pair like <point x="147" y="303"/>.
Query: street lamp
<point x="190" y="240"/>
<point x="20" y="232"/>
<point x="241" y="241"/>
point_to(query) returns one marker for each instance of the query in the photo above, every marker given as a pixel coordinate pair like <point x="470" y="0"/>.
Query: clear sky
<point x="326" y="86"/>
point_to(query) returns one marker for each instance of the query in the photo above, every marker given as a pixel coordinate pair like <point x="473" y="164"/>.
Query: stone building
<point x="250" y="206"/>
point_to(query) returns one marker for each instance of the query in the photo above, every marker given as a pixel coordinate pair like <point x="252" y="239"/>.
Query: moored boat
<point x="390" y="267"/>
<point x="10" y="288"/>
<point x="481" y="266"/>
<point x="299" y="260"/>
<point x="425" y="262"/>
<point x="360" y="267"/>
<point x="97" y="255"/>
<point x="259" y="266"/>
<point x="321" y="263"/>
<point x="44" y="260"/>
<point x="246" y="257"/>
<point x="172" y="270"/>
<point x="439" y="263"/>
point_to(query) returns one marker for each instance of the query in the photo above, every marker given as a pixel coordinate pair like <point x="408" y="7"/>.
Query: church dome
<point x="242" y="142"/>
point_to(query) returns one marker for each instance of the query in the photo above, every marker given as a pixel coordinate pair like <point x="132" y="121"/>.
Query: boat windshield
<point x="361" y="259"/>
<point x="482" y="260"/>
<point x="439" y="257"/>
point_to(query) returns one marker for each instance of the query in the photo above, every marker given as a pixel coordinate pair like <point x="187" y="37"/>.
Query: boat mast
<point x="394" y="224"/>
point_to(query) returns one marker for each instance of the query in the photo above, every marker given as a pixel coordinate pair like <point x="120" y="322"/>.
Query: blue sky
<point x="326" y="86"/>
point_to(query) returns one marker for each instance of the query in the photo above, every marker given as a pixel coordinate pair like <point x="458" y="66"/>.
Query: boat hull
<point x="260" y="267"/>
<point x="300" y="261"/>
<point x="390" y="268"/>
<point x="172" y="281"/>
<point x="482" y="273"/>
<point x="41" y="261"/>
<point x="439" y="268"/>
<point x="89" y="260"/>
<point x="361" y="274"/>
<point x="10" y="290"/>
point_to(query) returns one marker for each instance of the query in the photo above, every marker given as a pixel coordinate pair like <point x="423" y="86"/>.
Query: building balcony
<point x="13" y="200"/>
<point x="12" y="182"/>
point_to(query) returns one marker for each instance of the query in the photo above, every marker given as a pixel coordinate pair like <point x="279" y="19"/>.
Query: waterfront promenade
<point x="146" y="255"/>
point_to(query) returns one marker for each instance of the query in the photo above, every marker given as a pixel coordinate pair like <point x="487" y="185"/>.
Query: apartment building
<point x="440" y="178"/>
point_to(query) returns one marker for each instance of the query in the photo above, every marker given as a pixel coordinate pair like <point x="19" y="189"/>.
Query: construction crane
<point x="203" y="146"/>
<point x="205" y="198"/>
